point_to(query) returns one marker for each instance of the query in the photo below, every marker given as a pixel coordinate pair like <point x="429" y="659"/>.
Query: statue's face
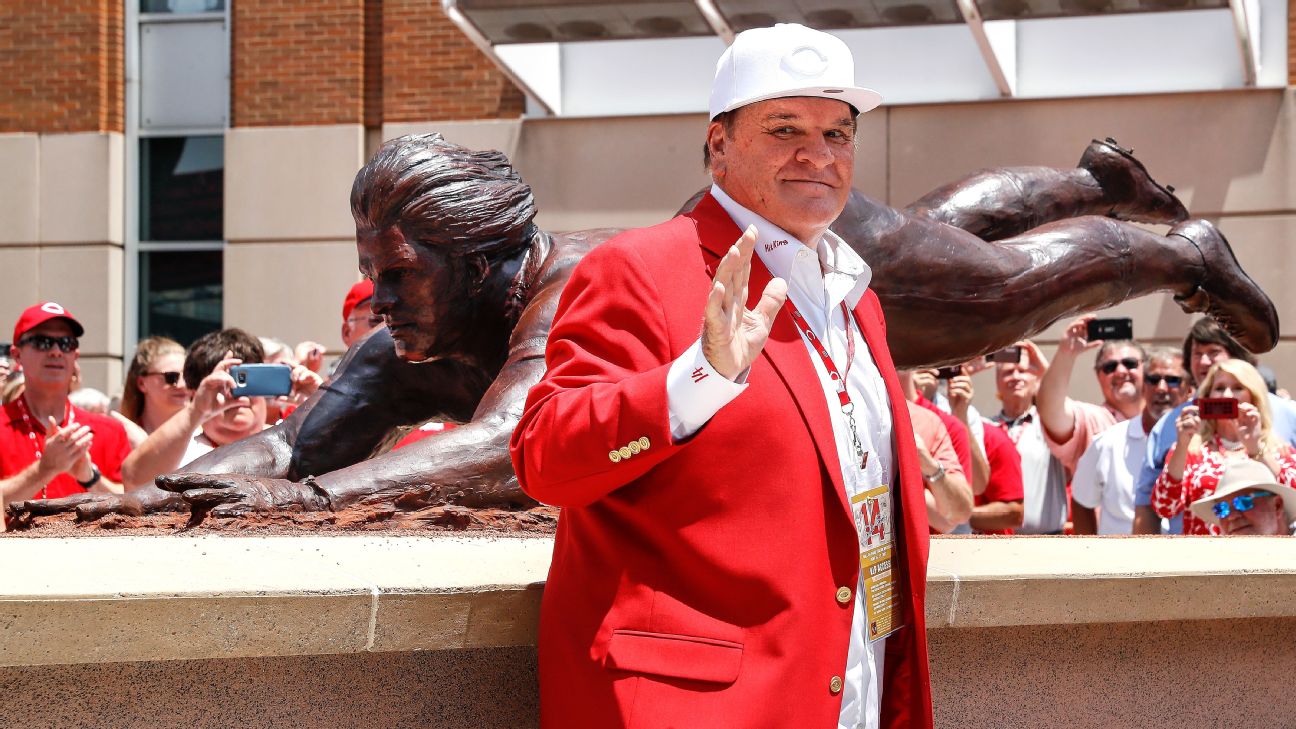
<point x="419" y="292"/>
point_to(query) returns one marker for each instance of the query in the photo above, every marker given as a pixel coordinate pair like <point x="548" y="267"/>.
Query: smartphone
<point x="261" y="380"/>
<point x="1217" y="408"/>
<point x="949" y="373"/>
<point x="1109" y="330"/>
<point x="1011" y="355"/>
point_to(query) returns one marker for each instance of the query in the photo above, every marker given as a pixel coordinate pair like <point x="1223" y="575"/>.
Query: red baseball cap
<point x="358" y="294"/>
<point x="38" y="314"/>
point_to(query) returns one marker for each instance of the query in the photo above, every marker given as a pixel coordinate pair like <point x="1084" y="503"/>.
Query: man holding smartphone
<point x="1070" y="425"/>
<point x="48" y="447"/>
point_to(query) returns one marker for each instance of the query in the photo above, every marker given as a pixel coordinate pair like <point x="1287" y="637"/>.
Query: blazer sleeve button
<point x="614" y="456"/>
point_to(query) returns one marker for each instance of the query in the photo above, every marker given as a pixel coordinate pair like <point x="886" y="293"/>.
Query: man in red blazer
<point x="743" y="541"/>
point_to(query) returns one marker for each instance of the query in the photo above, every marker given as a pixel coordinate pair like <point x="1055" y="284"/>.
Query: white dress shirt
<point x="1104" y="475"/>
<point x="819" y="280"/>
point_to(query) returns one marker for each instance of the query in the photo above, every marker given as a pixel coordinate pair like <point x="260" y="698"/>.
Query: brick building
<point x="171" y="166"/>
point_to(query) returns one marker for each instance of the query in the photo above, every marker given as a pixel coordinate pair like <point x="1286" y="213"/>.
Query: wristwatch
<point x="95" y="475"/>
<point x="940" y="473"/>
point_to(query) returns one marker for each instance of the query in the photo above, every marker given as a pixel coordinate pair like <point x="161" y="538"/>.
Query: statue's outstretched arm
<point x="468" y="465"/>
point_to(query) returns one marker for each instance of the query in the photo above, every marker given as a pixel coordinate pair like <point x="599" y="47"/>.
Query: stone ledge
<point x="114" y="599"/>
<point x="1001" y="582"/>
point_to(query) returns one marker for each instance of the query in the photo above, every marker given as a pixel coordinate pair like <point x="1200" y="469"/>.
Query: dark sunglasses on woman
<point x="171" y="378"/>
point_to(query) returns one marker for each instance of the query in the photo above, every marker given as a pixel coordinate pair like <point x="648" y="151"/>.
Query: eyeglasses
<point x="171" y="378"/>
<point x="1170" y="380"/>
<point x="1128" y="363"/>
<point x="43" y="343"/>
<point x="1240" y="503"/>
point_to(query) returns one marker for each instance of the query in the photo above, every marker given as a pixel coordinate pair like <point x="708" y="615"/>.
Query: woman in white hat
<point x="1205" y="448"/>
<point x="1249" y="501"/>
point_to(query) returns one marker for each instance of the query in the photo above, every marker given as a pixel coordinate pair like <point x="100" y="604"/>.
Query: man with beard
<point x="1102" y="490"/>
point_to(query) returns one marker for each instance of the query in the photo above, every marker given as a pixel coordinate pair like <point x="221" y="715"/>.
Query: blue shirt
<point x="1164" y="434"/>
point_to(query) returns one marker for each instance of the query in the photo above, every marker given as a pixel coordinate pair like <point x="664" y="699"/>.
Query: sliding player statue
<point x="467" y="286"/>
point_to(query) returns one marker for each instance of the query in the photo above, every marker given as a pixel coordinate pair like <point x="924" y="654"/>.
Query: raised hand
<point x="959" y="391"/>
<point x="310" y="354"/>
<point x="213" y="394"/>
<point x="1073" y="340"/>
<point x="1188" y="425"/>
<point x="1249" y="428"/>
<point x="733" y="335"/>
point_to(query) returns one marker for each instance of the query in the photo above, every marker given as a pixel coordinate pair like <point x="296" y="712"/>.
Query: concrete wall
<point x="61" y="206"/>
<point x="353" y="631"/>
<point x="291" y="254"/>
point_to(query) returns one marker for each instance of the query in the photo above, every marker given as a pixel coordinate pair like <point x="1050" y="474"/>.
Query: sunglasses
<point x="44" y="343"/>
<point x="1170" y="380"/>
<point x="1244" y="502"/>
<point x="1128" y="363"/>
<point x="171" y="378"/>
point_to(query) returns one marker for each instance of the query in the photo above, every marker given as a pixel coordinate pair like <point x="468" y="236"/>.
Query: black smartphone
<point x="261" y="380"/>
<point x="1110" y="330"/>
<point x="949" y="373"/>
<point x="1217" y="408"/>
<point x="1011" y="355"/>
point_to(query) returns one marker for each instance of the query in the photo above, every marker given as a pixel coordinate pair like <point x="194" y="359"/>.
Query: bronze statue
<point x="468" y="285"/>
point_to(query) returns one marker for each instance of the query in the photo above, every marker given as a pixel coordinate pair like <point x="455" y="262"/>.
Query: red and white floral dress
<point x="1201" y="476"/>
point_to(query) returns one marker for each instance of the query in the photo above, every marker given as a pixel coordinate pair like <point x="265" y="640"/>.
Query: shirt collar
<point x="777" y="249"/>
<point x="1026" y="417"/>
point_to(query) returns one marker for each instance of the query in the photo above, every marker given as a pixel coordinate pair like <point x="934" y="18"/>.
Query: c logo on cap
<point x="50" y="307"/>
<point x="806" y="61"/>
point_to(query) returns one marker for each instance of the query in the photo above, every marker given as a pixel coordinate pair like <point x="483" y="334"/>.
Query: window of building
<point x="177" y="112"/>
<point x="180" y="293"/>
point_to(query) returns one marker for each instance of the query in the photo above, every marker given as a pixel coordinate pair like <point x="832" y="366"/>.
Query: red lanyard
<point x="30" y="425"/>
<point x="847" y="407"/>
<point x="837" y="377"/>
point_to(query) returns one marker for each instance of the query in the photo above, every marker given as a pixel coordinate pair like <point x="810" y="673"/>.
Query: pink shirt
<point x="928" y="426"/>
<point x="1090" y="420"/>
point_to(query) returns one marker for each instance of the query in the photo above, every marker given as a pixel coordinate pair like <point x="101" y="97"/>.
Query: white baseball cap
<point x="786" y="60"/>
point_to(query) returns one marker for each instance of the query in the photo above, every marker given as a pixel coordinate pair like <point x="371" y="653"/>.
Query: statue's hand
<point x="89" y="507"/>
<point x="232" y="495"/>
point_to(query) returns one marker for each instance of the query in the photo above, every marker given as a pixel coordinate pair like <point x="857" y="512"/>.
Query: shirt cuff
<point x="695" y="392"/>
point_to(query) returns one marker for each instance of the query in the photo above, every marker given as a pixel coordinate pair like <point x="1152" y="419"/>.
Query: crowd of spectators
<point x="1145" y="460"/>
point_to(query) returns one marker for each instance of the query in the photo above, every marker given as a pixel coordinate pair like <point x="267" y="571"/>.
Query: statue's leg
<point x="1001" y="203"/>
<point x="950" y="297"/>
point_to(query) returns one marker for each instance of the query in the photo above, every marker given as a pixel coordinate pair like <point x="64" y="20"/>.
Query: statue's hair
<point x="441" y="194"/>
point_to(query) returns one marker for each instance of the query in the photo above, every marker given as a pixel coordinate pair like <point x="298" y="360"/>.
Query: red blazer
<point x="694" y="584"/>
